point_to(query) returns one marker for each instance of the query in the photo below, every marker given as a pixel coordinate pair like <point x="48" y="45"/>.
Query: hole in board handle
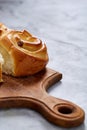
<point x="65" y="110"/>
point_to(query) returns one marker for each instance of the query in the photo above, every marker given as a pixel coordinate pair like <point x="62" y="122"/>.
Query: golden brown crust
<point x="28" y="53"/>
<point x="3" y="29"/>
<point x="1" y="80"/>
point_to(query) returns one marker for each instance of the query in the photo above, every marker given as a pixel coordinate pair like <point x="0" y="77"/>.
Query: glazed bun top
<point x="24" y="50"/>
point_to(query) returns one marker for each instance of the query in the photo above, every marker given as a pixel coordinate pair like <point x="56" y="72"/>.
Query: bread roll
<point x="23" y="53"/>
<point x="1" y="80"/>
<point x="1" y="62"/>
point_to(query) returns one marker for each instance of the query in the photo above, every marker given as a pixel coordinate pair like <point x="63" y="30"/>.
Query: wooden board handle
<point x="30" y="92"/>
<point x="55" y="110"/>
<point x="62" y="112"/>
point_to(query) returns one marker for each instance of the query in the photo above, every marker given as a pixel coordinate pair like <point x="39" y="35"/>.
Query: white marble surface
<point x="62" y="24"/>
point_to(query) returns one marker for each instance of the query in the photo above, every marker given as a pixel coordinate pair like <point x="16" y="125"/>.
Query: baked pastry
<point x="23" y="53"/>
<point x="1" y="62"/>
<point x="1" y="80"/>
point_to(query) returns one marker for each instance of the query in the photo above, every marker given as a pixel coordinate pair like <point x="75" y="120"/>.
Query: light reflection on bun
<point x="23" y="53"/>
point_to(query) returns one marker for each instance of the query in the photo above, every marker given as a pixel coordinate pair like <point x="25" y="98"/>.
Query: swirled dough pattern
<point x="23" y="53"/>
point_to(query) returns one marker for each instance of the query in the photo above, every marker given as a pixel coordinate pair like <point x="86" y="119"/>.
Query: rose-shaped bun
<point x="23" y="53"/>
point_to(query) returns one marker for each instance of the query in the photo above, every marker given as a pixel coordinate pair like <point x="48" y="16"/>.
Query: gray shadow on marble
<point x="54" y="87"/>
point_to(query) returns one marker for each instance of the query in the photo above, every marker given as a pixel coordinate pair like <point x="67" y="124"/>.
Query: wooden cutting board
<point x="30" y="92"/>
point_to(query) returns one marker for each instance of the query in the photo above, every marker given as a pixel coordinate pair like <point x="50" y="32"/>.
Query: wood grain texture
<point x="30" y="92"/>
